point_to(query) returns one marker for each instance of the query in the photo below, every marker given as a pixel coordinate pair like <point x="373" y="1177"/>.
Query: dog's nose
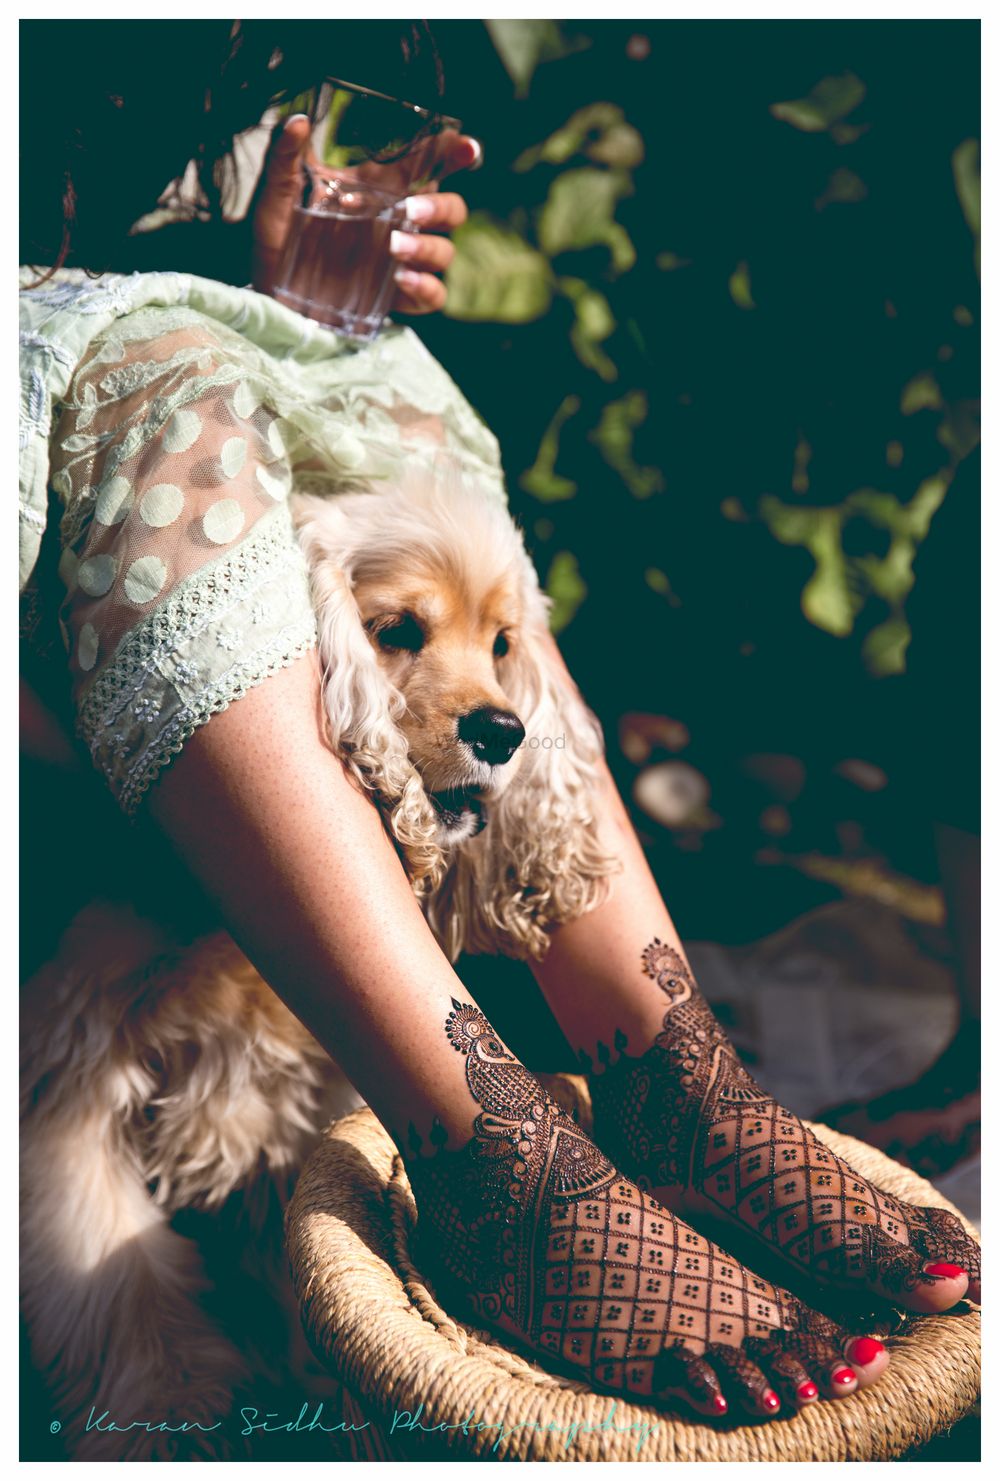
<point x="494" y="735"/>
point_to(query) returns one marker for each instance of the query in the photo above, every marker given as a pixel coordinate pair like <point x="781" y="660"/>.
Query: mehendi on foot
<point x="549" y="1242"/>
<point x="685" y="1114"/>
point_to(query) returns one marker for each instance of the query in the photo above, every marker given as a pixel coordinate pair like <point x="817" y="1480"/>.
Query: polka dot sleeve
<point x="184" y="582"/>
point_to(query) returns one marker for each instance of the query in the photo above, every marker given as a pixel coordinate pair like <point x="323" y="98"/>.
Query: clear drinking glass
<point x="369" y="152"/>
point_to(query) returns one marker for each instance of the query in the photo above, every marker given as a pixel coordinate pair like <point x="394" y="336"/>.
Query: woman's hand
<point x="421" y="256"/>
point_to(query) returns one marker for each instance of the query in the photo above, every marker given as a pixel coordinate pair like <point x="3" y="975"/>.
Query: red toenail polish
<point x="844" y="1375"/>
<point x="947" y="1272"/>
<point x="865" y="1350"/>
<point x="770" y="1399"/>
<point x="807" y="1390"/>
<point x="719" y="1404"/>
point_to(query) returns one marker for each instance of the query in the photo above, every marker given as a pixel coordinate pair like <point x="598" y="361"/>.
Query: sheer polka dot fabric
<point x="177" y="537"/>
<point x="217" y="466"/>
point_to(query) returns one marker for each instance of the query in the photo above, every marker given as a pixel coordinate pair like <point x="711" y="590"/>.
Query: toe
<point x="789" y="1376"/>
<point x="906" y="1277"/>
<point x="824" y="1359"/>
<point x="948" y="1246"/>
<point x="744" y="1382"/>
<point x="942" y="1284"/>
<point x="681" y="1374"/>
<point x="839" y="1380"/>
<point x="868" y="1357"/>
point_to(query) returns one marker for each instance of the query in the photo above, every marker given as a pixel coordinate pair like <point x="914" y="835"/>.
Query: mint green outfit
<point x="166" y="420"/>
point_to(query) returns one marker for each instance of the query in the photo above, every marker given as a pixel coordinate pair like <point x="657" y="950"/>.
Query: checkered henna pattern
<point x="549" y="1242"/>
<point x="686" y="1114"/>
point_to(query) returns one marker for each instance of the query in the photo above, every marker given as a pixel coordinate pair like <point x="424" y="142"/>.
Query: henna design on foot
<point x="549" y="1242"/>
<point x="686" y="1114"/>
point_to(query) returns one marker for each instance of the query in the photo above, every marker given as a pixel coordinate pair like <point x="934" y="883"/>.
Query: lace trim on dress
<point x="175" y="669"/>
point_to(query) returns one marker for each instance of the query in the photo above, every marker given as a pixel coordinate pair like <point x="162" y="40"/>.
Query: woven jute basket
<point x="420" y="1383"/>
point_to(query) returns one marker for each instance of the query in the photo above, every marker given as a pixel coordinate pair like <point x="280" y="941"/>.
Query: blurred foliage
<point x="718" y="297"/>
<point x="570" y="240"/>
<point x="523" y="45"/>
<point x="825" y="108"/>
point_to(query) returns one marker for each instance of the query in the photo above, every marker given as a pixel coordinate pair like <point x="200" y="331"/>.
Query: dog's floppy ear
<point x="539" y="860"/>
<point x="362" y="707"/>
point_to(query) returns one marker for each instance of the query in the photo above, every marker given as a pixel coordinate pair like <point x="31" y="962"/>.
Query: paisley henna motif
<point x="687" y="1114"/>
<point x="549" y="1241"/>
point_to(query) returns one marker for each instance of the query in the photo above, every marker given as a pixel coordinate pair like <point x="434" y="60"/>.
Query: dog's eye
<point x="403" y="636"/>
<point x="501" y="645"/>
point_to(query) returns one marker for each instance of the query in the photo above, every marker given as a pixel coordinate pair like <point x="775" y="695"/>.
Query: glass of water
<point x="368" y="153"/>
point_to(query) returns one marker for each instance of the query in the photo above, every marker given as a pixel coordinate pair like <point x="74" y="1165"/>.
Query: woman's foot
<point x="554" y="1247"/>
<point x="685" y="1118"/>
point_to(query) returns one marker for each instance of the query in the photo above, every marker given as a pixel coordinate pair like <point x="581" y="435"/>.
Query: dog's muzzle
<point x="460" y="810"/>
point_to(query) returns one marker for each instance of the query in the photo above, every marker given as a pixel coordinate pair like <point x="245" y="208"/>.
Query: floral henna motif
<point x="686" y="1114"/>
<point x="650" y="1108"/>
<point x="548" y="1240"/>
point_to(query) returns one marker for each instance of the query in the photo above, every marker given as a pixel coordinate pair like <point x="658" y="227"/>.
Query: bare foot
<point x="685" y="1118"/>
<point x="552" y="1245"/>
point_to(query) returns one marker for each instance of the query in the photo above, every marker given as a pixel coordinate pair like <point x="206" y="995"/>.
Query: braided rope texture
<point x="376" y="1323"/>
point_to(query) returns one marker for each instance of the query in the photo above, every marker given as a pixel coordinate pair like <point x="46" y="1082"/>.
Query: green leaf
<point x="523" y="45"/>
<point x="959" y="431"/>
<point x="593" y="322"/>
<point x="920" y="394"/>
<point x="829" y="101"/>
<point x="615" y="436"/>
<point x="541" y="479"/>
<point x="567" y="589"/>
<point x="847" y="133"/>
<point x="496" y="275"/>
<point x="965" y="168"/>
<point x="842" y="188"/>
<point x="579" y="213"/>
<point x="659" y="582"/>
<point x="599" y="131"/>
<point x="828" y="600"/>
<point x="890" y="577"/>
<point x="739" y="287"/>
<point x="884" y="648"/>
<point x="669" y="262"/>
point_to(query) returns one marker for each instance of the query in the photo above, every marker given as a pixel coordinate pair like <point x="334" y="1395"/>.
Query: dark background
<point x="825" y="395"/>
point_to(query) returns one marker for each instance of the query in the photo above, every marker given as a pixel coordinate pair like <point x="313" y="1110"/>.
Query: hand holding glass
<point x="369" y="153"/>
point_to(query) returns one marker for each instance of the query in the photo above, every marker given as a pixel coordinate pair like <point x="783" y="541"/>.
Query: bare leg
<point x="520" y="1212"/>
<point x="676" y="1109"/>
<point x="311" y="888"/>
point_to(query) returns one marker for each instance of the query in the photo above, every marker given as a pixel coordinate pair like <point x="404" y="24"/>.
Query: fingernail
<point x="719" y="1404"/>
<point x="945" y="1272"/>
<point x="418" y="207"/>
<point x="479" y="154"/>
<point x="403" y="243"/>
<point x="844" y="1375"/>
<point x="770" y="1399"/>
<point x="407" y="279"/>
<point x="295" y="118"/>
<point x="807" y="1390"/>
<point x="865" y="1350"/>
